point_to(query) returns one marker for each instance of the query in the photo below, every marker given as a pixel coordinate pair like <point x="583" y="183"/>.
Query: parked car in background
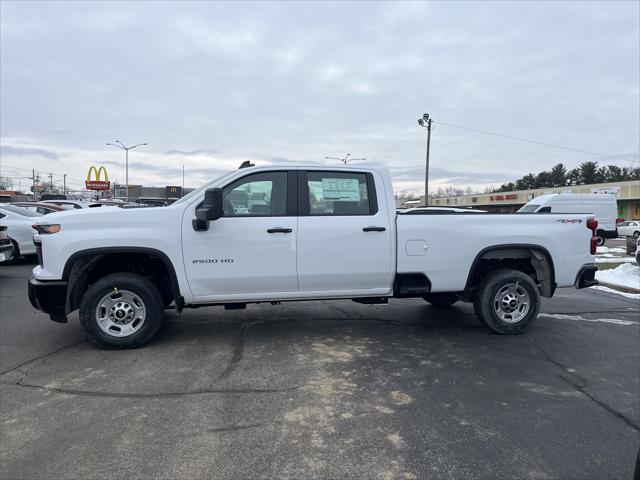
<point x="19" y="223"/>
<point x="6" y="247"/>
<point x="39" y="207"/>
<point x="604" y="207"/>
<point x="68" y="204"/>
<point x="629" y="229"/>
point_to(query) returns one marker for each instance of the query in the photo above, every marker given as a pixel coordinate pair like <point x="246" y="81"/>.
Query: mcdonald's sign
<point x="97" y="184"/>
<point x="172" y="191"/>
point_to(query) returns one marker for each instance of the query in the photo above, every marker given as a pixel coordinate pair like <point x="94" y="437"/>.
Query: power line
<point x="615" y="157"/>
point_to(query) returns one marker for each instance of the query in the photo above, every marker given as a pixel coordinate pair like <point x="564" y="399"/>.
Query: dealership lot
<point x="324" y="390"/>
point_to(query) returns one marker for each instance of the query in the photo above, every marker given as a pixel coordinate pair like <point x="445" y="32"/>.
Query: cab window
<point x="260" y="194"/>
<point x="340" y="193"/>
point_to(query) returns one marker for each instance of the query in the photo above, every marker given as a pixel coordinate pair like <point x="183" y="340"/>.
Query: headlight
<point x="47" y="229"/>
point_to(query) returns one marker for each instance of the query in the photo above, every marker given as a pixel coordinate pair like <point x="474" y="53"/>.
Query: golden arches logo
<point x="98" y="173"/>
<point x="97" y="184"/>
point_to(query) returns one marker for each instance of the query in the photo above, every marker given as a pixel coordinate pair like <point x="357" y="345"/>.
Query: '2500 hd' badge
<point x="212" y="260"/>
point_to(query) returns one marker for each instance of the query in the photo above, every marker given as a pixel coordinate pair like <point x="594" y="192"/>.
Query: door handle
<point x="373" y="229"/>
<point x="279" y="230"/>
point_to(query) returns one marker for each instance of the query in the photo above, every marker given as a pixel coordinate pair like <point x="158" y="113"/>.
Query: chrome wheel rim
<point x="120" y="313"/>
<point x="511" y="303"/>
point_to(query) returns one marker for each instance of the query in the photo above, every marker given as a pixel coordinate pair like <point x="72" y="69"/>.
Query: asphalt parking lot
<point x="324" y="390"/>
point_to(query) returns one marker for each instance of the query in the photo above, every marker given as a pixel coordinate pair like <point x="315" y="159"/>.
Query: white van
<point x="603" y="206"/>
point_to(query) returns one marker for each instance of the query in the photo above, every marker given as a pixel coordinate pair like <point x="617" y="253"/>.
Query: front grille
<point x="5" y="241"/>
<point x="38" y="245"/>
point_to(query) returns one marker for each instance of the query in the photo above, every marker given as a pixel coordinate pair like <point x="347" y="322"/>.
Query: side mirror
<point x="211" y="209"/>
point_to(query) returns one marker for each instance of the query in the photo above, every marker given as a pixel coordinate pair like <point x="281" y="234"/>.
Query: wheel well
<point x="86" y="268"/>
<point x="531" y="260"/>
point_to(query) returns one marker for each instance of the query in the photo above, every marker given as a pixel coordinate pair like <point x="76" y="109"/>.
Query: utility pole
<point x="36" y="180"/>
<point x="425" y="121"/>
<point x="64" y="183"/>
<point x="51" y="181"/>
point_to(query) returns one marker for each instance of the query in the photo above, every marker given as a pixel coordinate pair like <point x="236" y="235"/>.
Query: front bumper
<point x="49" y="297"/>
<point x="587" y="276"/>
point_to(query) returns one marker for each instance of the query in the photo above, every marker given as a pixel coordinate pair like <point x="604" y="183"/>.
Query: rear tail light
<point x="592" y="225"/>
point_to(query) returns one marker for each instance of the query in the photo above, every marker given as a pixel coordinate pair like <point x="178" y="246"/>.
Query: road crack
<point x="41" y="357"/>
<point x="580" y="383"/>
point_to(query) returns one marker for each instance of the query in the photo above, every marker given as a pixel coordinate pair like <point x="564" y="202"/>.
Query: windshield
<point x="20" y="211"/>
<point x="529" y="208"/>
<point x="200" y="190"/>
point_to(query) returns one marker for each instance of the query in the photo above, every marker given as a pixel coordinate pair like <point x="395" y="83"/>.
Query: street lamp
<point x="122" y="146"/>
<point x="346" y="159"/>
<point x="425" y="122"/>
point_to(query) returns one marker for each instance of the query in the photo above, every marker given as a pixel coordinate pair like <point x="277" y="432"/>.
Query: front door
<point x="251" y="249"/>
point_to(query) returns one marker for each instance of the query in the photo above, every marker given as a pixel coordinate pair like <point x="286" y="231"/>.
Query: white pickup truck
<point x="272" y="234"/>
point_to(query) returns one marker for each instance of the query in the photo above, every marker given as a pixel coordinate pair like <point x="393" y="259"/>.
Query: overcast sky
<point x="208" y="85"/>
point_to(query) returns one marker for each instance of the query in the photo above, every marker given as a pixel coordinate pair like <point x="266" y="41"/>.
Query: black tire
<point x="441" y="300"/>
<point x="477" y="310"/>
<point x="600" y="239"/>
<point x="636" y="234"/>
<point x="487" y="305"/>
<point x="143" y="291"/>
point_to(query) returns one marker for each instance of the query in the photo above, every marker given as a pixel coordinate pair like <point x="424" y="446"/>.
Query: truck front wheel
<point x="441" y="300"/>
<point x="507" y="301"/>
<point x="121" y="310"/>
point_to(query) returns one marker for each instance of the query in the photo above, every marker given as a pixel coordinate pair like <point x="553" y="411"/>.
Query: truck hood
<point x="108" y="216"/>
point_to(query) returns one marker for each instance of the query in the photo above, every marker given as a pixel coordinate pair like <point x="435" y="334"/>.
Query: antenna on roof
<point x="246" y="164"/>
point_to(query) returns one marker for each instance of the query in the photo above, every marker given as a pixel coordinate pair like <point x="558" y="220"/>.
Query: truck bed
<point x="444" y="246"/>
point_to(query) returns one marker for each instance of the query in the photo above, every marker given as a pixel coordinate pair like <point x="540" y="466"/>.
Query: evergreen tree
<point x="589" y="173"/>
<point x="558" y="176"/>
<point x="543" y="180"/>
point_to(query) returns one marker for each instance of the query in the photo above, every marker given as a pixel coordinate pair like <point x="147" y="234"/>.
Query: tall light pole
<point x="425" y="122"/>
<point x="126" y="149"/>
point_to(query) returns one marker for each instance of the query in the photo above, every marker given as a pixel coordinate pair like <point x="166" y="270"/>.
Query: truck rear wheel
<point x="507" y="301"/>
<point x="121" y="310"/>
<point x="441" y="300"/>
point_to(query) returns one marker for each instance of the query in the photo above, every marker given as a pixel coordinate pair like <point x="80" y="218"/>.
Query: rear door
<point x="344" y="236"/>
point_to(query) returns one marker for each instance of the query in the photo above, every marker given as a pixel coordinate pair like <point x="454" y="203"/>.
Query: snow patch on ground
<point x="625" y="275"/>
<point x="559" y="316"/>
<point x="606" y="258"/>
<point x="602" y="288"/>
<point x="611" y="250"/>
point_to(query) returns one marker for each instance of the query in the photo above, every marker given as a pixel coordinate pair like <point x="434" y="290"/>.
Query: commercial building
<point x="627" y="194"/>
<point x="140" y="193"/>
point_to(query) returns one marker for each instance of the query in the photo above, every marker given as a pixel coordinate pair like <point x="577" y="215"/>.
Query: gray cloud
<point x="301" y="81"/>
<point x="27" y="152"/>
<point x="199" y="151"/>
